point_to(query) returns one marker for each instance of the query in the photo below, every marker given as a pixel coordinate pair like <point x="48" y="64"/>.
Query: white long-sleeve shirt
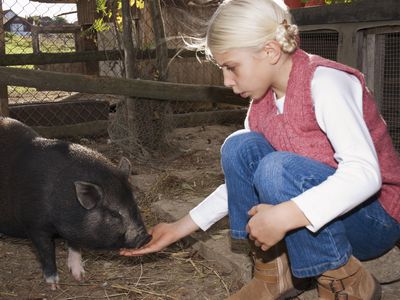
<point x="337" y="98"/>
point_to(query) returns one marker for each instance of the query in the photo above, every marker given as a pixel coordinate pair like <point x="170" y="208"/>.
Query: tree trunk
<point x="146" y="121"/>
<point x="129" y="61"/>
<point x="161" y="43"/>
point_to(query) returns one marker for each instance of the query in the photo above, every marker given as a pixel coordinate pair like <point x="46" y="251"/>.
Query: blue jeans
<point x="255" y="173"/>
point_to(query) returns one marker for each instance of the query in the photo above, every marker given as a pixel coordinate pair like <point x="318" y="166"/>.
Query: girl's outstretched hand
<point x="163" y="235"/>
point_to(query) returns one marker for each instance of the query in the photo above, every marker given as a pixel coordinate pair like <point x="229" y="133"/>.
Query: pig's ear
<point x="88" y="194"/>
<point x="125" y="166"/>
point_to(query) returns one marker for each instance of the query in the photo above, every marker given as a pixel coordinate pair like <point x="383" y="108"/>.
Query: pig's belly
<point x="12" y="230"/>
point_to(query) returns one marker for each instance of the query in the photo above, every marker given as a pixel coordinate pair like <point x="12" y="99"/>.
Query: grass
<point x="48" y="43"/>
<point x="18" y="45"/>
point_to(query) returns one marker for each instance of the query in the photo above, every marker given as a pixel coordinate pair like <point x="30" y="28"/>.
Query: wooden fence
<point x="145" y="89"/>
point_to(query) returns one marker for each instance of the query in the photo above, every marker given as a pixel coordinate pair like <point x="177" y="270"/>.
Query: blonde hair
<point x="249" y="24"/>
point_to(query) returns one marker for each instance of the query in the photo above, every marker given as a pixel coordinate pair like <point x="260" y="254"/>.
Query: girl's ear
<point x="273" y="51"/>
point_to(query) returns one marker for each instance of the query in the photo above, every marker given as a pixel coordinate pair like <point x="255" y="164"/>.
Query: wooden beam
<point x="44" y="80"/>
<point x="3" y="87"/>
<point x="128" y="42"/>
<point x="135" y="114"/>
<point x="359" y="11"/>
<point x="58" y="58"/>
<point x="160" y="38"/>
<point x="56" y="29"/>
<point x="230" y="116"/>
<point x="82" y="56"/>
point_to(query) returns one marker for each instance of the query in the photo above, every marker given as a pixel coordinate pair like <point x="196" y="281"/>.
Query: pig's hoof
<point x="77" y="270"/>
<point x="53" y="281"/>
<point x="75" y="264"/>
<point x="79" y="275"/>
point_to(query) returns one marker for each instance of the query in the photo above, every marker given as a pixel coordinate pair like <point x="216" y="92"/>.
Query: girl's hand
<point x="270" y="223"/>
<point x="163" y="235"/>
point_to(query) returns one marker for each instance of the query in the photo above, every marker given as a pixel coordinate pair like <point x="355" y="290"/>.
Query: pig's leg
<point x="74" y="263"/>
<point x="47" y="256"/>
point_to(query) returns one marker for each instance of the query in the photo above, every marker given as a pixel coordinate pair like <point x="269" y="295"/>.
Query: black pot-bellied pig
<point x="51" y="188"/>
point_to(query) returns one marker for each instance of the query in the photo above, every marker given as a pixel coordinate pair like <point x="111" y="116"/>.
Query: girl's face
<point x="248" y="72"/>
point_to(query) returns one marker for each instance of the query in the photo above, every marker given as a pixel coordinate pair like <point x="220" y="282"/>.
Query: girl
<point x="313" y="180"/>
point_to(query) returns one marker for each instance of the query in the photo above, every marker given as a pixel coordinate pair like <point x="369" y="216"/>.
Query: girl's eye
<point x="230" y="69"/>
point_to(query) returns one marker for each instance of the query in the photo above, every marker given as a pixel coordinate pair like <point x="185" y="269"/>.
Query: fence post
<point x="3" y="88"/>
<point x="161" y="42"/>
<point x="128" y="41"/>
<point x="35" y="39"/>
<point x="145" y="123"/>
<point x="86" y="17"/>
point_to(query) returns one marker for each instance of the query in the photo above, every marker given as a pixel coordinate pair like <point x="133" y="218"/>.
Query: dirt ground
<point x="176" y="273"/>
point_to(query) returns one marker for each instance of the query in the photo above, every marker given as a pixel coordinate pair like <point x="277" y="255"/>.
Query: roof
<point x="8" y="15"/>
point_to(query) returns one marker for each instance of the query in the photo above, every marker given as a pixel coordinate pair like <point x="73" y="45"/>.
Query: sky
<point x="26" y="8"/>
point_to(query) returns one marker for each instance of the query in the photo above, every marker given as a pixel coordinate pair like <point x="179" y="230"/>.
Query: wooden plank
<point x="58" y="58"/>
<point x="161" y="41"/>
<point x="231" y="116"/>
<point x="82" y="56"/>
<point x="3" y="87"/>
<point x="35" y="42"/>
<point x="359" y="11"/>
<point x="118" y="86"/>
<point x="128" y="42"/>
<point x="56" y="29"/>
<point x="134" y="112"/>
<point x="88" y="43"/>
<point x="87" y="12"/>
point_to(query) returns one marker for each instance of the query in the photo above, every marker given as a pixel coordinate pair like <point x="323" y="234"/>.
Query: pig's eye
<point x="115" y="214"/>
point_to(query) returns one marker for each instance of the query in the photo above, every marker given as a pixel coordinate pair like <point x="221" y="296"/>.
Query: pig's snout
<point x="137" y="237"/>
<point x="142" y="239"/>
<point x="139" y="240"/>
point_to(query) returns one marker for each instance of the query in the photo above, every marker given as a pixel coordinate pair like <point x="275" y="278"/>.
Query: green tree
<point x="60" y="20"/>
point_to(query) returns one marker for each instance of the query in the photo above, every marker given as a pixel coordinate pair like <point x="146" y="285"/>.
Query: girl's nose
<point x="228" y="80"/>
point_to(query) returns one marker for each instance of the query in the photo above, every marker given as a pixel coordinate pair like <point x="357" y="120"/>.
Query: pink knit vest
<point x="297" y="130"/>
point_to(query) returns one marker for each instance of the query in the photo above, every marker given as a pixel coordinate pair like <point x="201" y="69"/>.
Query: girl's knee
<point x="233" y="142"/>
<point x="273" y="165"/>
<point x="270" y="174"/>
<point x="235" y="146"/>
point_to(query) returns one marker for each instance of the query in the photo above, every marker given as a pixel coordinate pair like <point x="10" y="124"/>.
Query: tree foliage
<point x="111" y="10"/>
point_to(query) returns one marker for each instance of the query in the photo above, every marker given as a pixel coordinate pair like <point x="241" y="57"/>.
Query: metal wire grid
<point x="20" y="41"/>
<point x="390" y="105"/>
<point x="187" y="20"/>
<point x="324" y="43"/>
<point x="64" y="113"/>
<point x="181" y="22"/>
<point x="176" y="25"/>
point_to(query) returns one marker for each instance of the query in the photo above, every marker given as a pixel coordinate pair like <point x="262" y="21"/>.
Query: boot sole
<point x="289" y="294"/>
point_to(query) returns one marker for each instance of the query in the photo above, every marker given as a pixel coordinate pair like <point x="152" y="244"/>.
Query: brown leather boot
<point x="272" y="278"/>
<point x="349" y="282"/>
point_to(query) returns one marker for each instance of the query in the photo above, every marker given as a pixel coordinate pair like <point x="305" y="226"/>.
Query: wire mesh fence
<point x="33" y="27"/>
<point x="321" y="42"/>
<point x="19" y="19"/>
<point x="390" y="106"/>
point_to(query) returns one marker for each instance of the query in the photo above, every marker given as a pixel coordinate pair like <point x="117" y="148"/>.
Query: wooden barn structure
<point x="16" y="24"/>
